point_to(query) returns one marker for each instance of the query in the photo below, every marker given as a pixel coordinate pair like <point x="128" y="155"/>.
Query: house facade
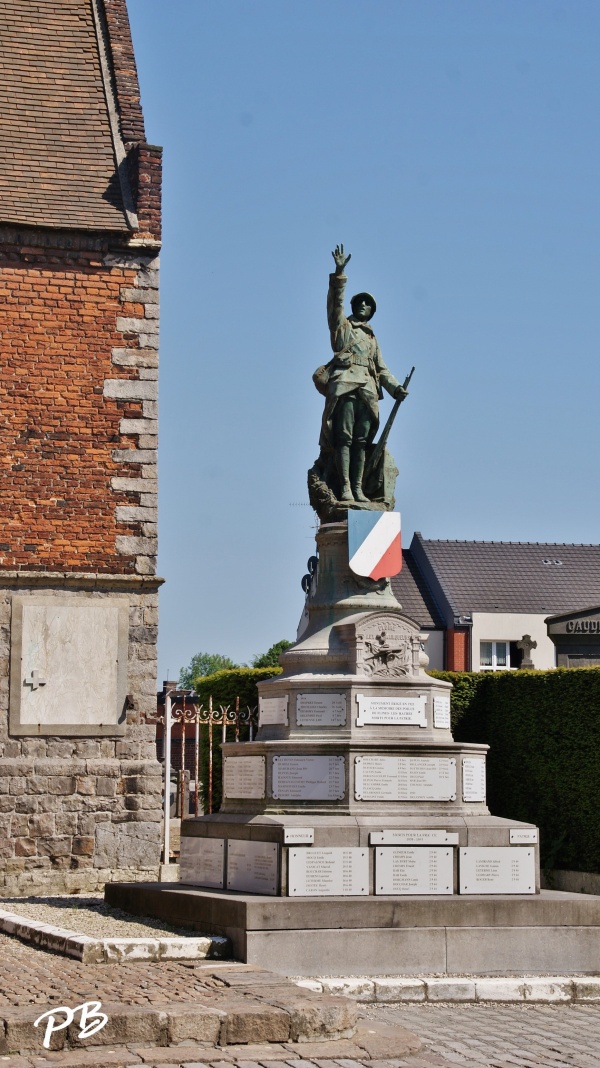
<point x="477" y="600"/>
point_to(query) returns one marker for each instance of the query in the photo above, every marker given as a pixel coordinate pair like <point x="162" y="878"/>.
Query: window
<point x="499" y="656"/>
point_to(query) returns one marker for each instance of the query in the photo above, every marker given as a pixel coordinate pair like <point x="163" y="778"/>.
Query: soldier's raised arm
<point x="341" y="259"/>
<point x="335" y="299"/>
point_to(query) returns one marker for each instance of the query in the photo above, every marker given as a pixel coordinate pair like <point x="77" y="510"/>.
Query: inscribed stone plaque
<point x="68" y="665"/>
<point x="308" y="778"/>
<point x="496" y="870"/>
<point x="396" y="711"/>
<point x="272" y="710"/>
<point x="473" y="778"/>
<point x="298" y="835"/>
<point x="321" y="709"/>
<point x="392" y="778"/>
<point x="252" y="866"/>
<point x="244" y="776"/>
<point x="202" y="861"/>
<point x="328" y="872"/>
<point x="409" y="837"/>
<point x="418" y="870"/>
<point x="441" y="710"/>
<point x="526" y="836"/>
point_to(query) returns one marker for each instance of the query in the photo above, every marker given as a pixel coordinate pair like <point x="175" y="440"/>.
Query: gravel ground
<point x="90" y="916"/>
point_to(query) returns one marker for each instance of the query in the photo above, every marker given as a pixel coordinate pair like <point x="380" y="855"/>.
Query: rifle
<point x="380" y="446"/>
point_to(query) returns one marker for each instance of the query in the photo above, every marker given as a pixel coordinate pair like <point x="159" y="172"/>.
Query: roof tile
<point x="57" y="163"/>
<point x="495" y="576"/>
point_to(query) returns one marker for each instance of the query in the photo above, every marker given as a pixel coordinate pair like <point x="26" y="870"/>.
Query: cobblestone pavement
<point x="474" y="1036"/>
<point x="498" y="1036"/>
<point x="33" y="977"/>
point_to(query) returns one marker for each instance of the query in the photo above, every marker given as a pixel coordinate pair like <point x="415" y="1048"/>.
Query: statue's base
<point x="354" y="837"/>
<point x="549" y="933"/>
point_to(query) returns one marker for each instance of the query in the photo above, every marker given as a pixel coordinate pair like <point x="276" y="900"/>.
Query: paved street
<point x="471" y="1035"/>
<point x="499" y="1036"/>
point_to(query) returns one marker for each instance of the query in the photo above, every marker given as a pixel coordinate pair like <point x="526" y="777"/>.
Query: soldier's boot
<point x="343" y="466"/>
<point x="357" y="470"/>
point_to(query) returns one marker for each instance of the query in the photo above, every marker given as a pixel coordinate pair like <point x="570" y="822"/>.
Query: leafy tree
<point x="203" y="664"/>
<point x="271" y="657"/>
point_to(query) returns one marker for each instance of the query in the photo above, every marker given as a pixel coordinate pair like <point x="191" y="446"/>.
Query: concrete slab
<point x="518" y="950"/>
<point x="552" y="932"/>
<point x="367" y="951"/>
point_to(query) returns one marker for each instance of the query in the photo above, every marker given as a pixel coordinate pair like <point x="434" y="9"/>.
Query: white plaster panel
<point x="434" y="647"/>
<point x="68" y="663"/>
<point x="510" y="627"/>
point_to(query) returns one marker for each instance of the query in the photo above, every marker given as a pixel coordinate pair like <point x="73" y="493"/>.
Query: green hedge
<point x="224" y="686"/>
<point x="543" y="729"/>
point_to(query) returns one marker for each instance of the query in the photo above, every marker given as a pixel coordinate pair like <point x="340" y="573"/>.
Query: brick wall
<point x="457" y="649"/>
<point x="124" y="70"/>
<point x="145" y="168"/>
<point x="78" y="393"/>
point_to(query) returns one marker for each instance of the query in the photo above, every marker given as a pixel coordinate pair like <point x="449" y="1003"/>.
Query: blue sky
<point x="453" y="146"/>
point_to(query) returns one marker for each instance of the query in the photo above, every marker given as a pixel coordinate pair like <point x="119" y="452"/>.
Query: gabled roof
<point x="413" y="594"/>
<point x="496" y="576"/>
<point x="58" y="150"/>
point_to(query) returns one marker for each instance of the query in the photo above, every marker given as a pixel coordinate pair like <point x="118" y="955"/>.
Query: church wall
<point x="78" y="392"/>
<point x="79" y="804"/>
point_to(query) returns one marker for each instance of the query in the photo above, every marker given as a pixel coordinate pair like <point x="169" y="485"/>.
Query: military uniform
<point x="354" y="380"/>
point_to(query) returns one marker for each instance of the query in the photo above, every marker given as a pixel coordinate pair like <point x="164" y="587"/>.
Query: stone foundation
<point x="79" y="810"/>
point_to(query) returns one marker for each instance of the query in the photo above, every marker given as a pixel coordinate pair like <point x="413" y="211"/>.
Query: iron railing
<point x="183" y="709"/>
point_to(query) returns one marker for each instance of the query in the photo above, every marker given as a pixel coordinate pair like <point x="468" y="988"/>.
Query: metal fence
<point x="195" y="748"/>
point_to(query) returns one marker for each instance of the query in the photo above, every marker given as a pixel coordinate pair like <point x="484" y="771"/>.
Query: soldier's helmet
<point x="368" y="298"/>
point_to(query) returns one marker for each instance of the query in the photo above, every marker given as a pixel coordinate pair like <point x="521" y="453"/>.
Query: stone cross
<point x="526" y="645"/>
<point x="34" y="680"/>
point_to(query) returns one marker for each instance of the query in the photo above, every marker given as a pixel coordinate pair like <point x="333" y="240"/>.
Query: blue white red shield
<point x="374" y="543"/>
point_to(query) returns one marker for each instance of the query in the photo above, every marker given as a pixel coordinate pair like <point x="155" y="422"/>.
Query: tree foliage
<point x="203" y="664"/>
<point x="271" y="657"/>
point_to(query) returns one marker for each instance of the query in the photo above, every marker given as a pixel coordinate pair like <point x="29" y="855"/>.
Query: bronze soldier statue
<point x="352" y="384"/>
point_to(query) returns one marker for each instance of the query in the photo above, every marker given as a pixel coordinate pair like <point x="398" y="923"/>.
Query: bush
<point x="543" y="729"/>
<point x="467" y="701"/>
<point x="224" y="686"/>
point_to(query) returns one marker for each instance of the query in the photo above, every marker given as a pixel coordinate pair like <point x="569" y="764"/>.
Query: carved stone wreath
<point x="388" y="658"/>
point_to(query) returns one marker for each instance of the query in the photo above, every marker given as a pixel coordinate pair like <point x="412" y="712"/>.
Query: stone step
<point x="550" y="933"/>
<point x="233" y="1006"/>
<point x="373" y="1041"/>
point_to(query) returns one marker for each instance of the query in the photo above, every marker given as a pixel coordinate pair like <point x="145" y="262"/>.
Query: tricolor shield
<point x="374" y="543"/>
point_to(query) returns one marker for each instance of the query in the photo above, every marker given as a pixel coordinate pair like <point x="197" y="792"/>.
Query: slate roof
<point x="496" y="576"/>
<point x="413" y="594"/>
<point x="57" y="159"/>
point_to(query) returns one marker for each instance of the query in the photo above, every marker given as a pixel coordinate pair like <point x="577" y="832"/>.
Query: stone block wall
<point x="78" y="811"/>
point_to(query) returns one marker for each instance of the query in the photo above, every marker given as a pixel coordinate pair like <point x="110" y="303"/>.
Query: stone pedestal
<point x="354" y="836"/>
<point x="355" y="762"/>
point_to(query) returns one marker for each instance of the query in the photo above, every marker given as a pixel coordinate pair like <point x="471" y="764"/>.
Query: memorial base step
<point x="546" y="933"/>
<point x="339" y="853"/>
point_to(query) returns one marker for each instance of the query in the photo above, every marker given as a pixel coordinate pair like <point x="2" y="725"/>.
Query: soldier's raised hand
<point x="340" y="258"/>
